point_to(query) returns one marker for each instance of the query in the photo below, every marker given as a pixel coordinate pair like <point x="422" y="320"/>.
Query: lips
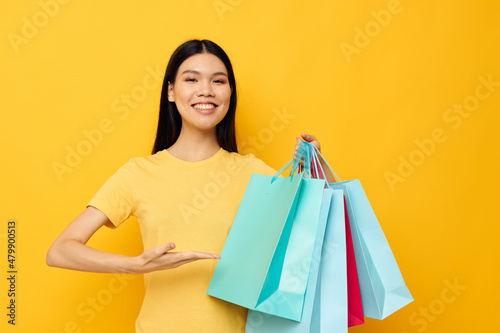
<point x="204" y="106"/>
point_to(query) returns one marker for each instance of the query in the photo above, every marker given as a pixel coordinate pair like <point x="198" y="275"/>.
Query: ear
<point x="170" y="92"/>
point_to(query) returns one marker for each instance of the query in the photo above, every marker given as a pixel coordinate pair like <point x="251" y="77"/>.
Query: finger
<point x="182" y="262"/>
<point x="162" y="249"/>
<point x="308" y="137"/>
<point x="312" y="139"/>
<point x="195" y="255"/>
<point x="159" y="250"/>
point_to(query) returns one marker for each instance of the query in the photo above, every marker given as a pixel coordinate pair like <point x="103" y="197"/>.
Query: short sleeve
<point x="115" y="197"/>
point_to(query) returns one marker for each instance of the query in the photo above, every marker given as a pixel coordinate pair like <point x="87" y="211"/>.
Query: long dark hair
<point x="170" y="121"/>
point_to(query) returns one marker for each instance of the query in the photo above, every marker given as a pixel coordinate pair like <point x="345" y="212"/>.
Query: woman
<point x="188" y="191"/>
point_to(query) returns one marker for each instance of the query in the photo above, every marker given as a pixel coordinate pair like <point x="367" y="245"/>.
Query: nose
<point x="205" y="89"/>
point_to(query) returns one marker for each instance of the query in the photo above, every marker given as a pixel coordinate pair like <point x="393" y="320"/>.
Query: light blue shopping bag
<point x="383" y="290"/>
<point x="325" y="305"/>
<point x="272" y="236"/>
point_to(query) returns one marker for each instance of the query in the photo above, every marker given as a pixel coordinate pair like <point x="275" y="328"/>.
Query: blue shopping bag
<point x="325" y="305"/>
<point x="332" y="301"/>
<point x="383" y="290"/>
<point x="272" y="236"/>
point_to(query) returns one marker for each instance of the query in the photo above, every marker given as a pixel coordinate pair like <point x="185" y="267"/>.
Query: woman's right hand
<point x="159" y="258"/>
<point x="70" y="251"/>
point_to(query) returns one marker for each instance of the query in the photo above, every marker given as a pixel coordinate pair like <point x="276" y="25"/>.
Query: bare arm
<point x="69" y="250"/>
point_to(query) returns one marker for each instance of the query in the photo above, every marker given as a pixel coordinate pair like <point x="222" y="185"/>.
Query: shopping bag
<point x="355" y="314"/>
<point x="325" y="305"/>
<point x="272" y="235"/>
<point x="331" y="303"/>
<point x="310" y="164"/>
<point x="383" y="290"/>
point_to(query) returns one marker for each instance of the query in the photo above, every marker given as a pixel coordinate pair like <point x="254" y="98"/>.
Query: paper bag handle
<point x="315" y="160"/>
<point x="302" y="151"/>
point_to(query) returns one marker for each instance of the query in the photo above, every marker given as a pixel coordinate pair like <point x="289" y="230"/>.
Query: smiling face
<point x="201" y="92"/>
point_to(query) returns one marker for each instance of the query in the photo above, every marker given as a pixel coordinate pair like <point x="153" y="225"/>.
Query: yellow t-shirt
<point x="192" y="204"/>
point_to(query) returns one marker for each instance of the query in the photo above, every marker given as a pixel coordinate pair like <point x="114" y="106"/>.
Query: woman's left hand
<point x="307" y="138"/>
<point x="312" y="139"/>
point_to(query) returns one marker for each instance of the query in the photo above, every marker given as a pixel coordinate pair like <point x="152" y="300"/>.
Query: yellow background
<point x="407" y="64"/>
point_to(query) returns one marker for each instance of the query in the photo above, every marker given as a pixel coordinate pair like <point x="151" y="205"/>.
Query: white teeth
<point x="204" y="106"/>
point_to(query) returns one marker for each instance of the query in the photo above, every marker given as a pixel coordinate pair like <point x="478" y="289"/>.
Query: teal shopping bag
<point x="383" y="290"/>
<point x="332" y="295"/>
<point x="272" y="236"/>
<point x="325" y="305"/>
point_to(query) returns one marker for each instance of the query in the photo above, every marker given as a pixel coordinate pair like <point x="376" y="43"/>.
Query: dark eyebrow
<point x="219" y="73"/>
<point x="190" y="71"/>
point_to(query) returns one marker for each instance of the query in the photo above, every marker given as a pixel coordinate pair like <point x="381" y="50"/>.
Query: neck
<point x="194" y="146"/>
